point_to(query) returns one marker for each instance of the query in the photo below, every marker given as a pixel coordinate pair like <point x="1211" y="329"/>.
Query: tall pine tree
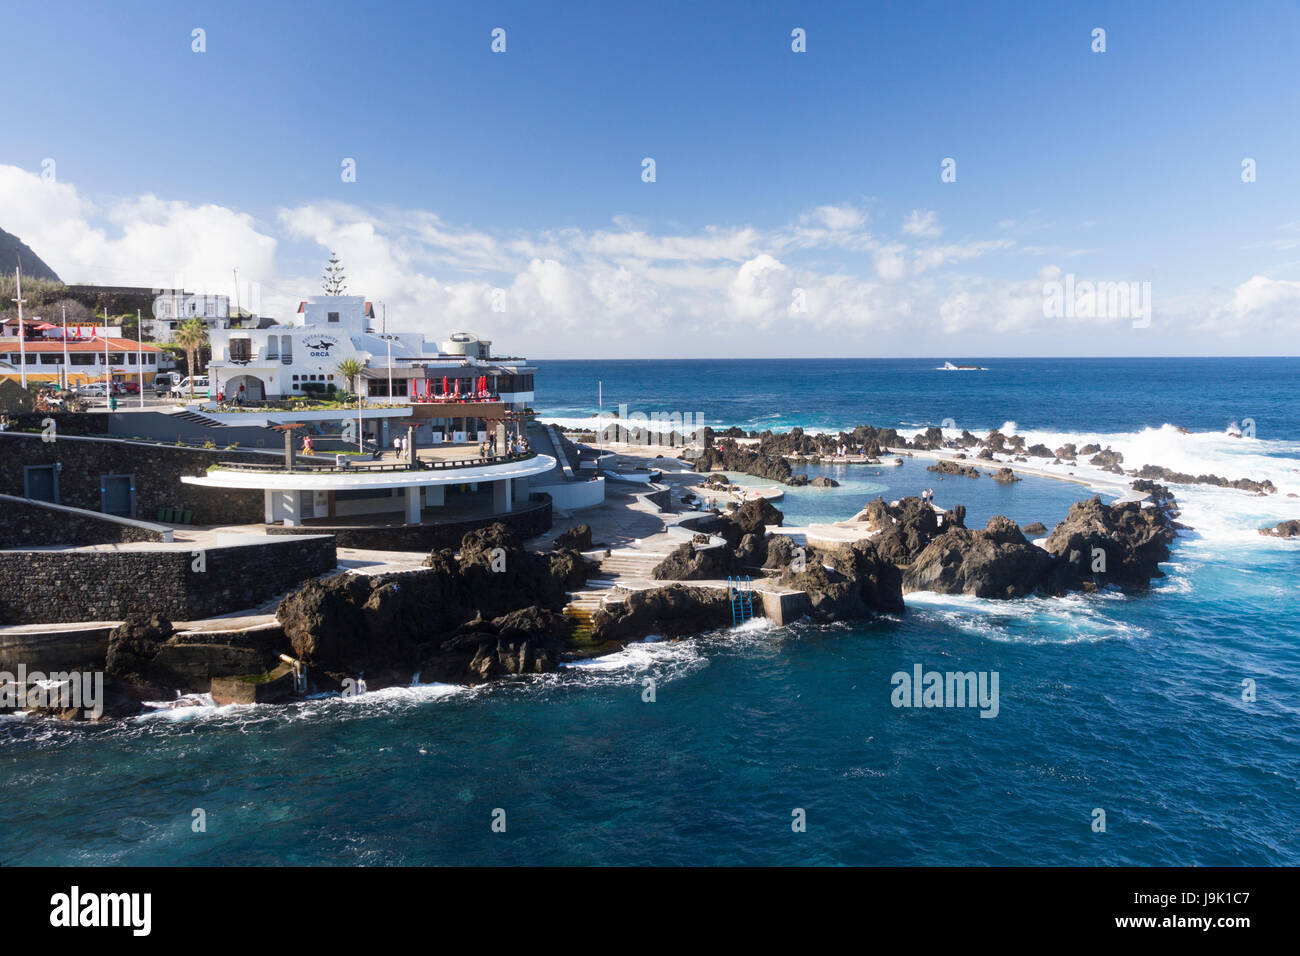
<point x="335" y="280"/>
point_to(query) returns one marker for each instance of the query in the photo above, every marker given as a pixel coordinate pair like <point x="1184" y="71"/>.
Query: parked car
<point x="91" y="389"/>
<point x="182" y="388"/>
<point x="162" y="387"/>
<point x="128" y="388"/>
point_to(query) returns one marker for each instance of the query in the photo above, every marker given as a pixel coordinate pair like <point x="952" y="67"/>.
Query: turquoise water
<point x="1131" y="704"/>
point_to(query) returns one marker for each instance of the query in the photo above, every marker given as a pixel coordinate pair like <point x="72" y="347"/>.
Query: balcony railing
<point x="324" y="467"/>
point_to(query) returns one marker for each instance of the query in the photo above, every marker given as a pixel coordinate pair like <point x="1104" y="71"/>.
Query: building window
<point x="130" y="360"/>
<point x="83" y="359"/>
<point x="332" y="316"/>
<point x="47" y="359"/>
<point x="241" y="350"/>
<point x="153" y="359"/>
<point x="295" y="378"/>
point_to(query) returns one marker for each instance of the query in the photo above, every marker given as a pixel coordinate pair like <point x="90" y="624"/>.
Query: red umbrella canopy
<point x="457" y="386"/>
<point x="444" y="385"/>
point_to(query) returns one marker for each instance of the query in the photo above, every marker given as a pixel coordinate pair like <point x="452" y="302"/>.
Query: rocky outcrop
<point x="821" y="481"/>
<point x="492" y="609"/>
<point x="1283" y="529"/>
<point x="577" y="538"/>
<point x="994" y="563"/>
<point x="904" y="529"/>
<point x="1006" y="476"/>
<point x="1099" y="544"/>
<point x="945" y="467"/>
<point x="688" y="563"/>
<point x="1096" y="545"/>
<point x="670" y="611"/>
<point x="1036" y="527"/>
<point x="1108" y="460"/>
<point x="1161" y="473"/>
<point x="148" y="656"/>
<point x="848" y="582"/>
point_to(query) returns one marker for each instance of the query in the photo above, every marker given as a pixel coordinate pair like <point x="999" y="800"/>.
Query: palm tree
<point x="351" y="368"/>
<point x="191" y="335"/>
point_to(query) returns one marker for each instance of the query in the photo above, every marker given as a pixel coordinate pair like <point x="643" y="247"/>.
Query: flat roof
<point x="361" y="481"/>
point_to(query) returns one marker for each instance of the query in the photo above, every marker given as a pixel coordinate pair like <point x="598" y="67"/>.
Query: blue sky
<point x="775" y="170"/>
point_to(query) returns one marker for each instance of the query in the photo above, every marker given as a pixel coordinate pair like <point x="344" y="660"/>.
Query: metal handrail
<point x="386" y="466"/>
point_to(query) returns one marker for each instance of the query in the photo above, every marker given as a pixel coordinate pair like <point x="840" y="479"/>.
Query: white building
<point x="172" y="308"/>
<point x="301" y="359"/>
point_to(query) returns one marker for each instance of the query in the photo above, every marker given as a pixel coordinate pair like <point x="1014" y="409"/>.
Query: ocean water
<point x="1128" y="704"/>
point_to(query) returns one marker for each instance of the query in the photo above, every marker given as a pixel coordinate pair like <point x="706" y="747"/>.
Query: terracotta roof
<point x="9" y="343"/>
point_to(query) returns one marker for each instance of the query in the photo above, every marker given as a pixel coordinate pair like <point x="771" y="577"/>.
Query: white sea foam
<point x="1075" y="618"/>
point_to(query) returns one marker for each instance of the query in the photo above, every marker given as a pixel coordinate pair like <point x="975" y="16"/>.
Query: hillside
<point x="11" y="248"/>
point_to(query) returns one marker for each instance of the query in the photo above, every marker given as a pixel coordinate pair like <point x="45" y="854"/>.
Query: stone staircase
<point x="629" y="563"/>
<point x="581" y="607"/>
<point x="197" y="419"/>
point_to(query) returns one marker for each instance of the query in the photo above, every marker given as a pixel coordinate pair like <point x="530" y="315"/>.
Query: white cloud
<point x="621" y="289"/>
<point x="144" y="241"/>
<point x="922" y="224"/>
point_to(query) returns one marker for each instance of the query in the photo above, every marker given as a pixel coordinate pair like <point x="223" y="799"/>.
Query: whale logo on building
<point x="321" y="347"/>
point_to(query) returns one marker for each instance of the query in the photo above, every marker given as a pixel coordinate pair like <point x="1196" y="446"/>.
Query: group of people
<point x="399" y="446"/>
<point x="238" y="399"/>
<point x="927" y="496"/>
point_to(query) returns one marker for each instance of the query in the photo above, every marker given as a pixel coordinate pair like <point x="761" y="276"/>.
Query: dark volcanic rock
<point x="493" y="610"/>
<point x="1108" y="460"/>
<point x="577" y="538"/>
<point x="1040" y="451"/>
<point x="1090" y="449"/>
<point x="994" y="563"/>
<point x="1006" y="476"/>
<point x="132" y="647"/>
<point x="669" y="611"/>
<point x="1067" y="452"/>
<point x="1036" y="527"/>
<point x="946" y="467"/>
<point x="1182" y="478"/>
<point x="1124" y="542"/>
<point x="851" y="581"/>
<point x="686" y="563"/>
<point x="1283" y="529"/>
<point x="821" y="481"/>
<point x="904" y="529"/>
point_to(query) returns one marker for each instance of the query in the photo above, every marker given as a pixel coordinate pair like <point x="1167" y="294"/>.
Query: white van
<point x="181" y="389"/>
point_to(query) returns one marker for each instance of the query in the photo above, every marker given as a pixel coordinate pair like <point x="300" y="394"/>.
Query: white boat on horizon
<point x="949" y="367"/>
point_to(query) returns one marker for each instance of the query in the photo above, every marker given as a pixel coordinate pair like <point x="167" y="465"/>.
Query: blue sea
<point x="1134" y="705"/>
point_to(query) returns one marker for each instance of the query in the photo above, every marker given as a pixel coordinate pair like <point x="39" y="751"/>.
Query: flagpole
<point x="67" y="376"/>
<point x="108" y="374"/>
<point x="22" y="331"/>
<point x="139" y="355"/>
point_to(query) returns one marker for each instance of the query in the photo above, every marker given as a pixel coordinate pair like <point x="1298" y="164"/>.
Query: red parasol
<point x="444" y="386"/>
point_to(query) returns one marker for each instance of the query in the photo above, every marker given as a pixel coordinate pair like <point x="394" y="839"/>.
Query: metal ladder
<point x="740" y="593"/>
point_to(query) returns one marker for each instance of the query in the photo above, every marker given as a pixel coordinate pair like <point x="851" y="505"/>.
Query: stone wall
<point x="48" y="587"/>
<point x="526" y="521"/>
<point x="157" y="470"/>
<point x="24" y="522"/>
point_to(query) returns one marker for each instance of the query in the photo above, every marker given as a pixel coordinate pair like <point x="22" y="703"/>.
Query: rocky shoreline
<point x="494" y="609"/>
<point x="768" y="455"/>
